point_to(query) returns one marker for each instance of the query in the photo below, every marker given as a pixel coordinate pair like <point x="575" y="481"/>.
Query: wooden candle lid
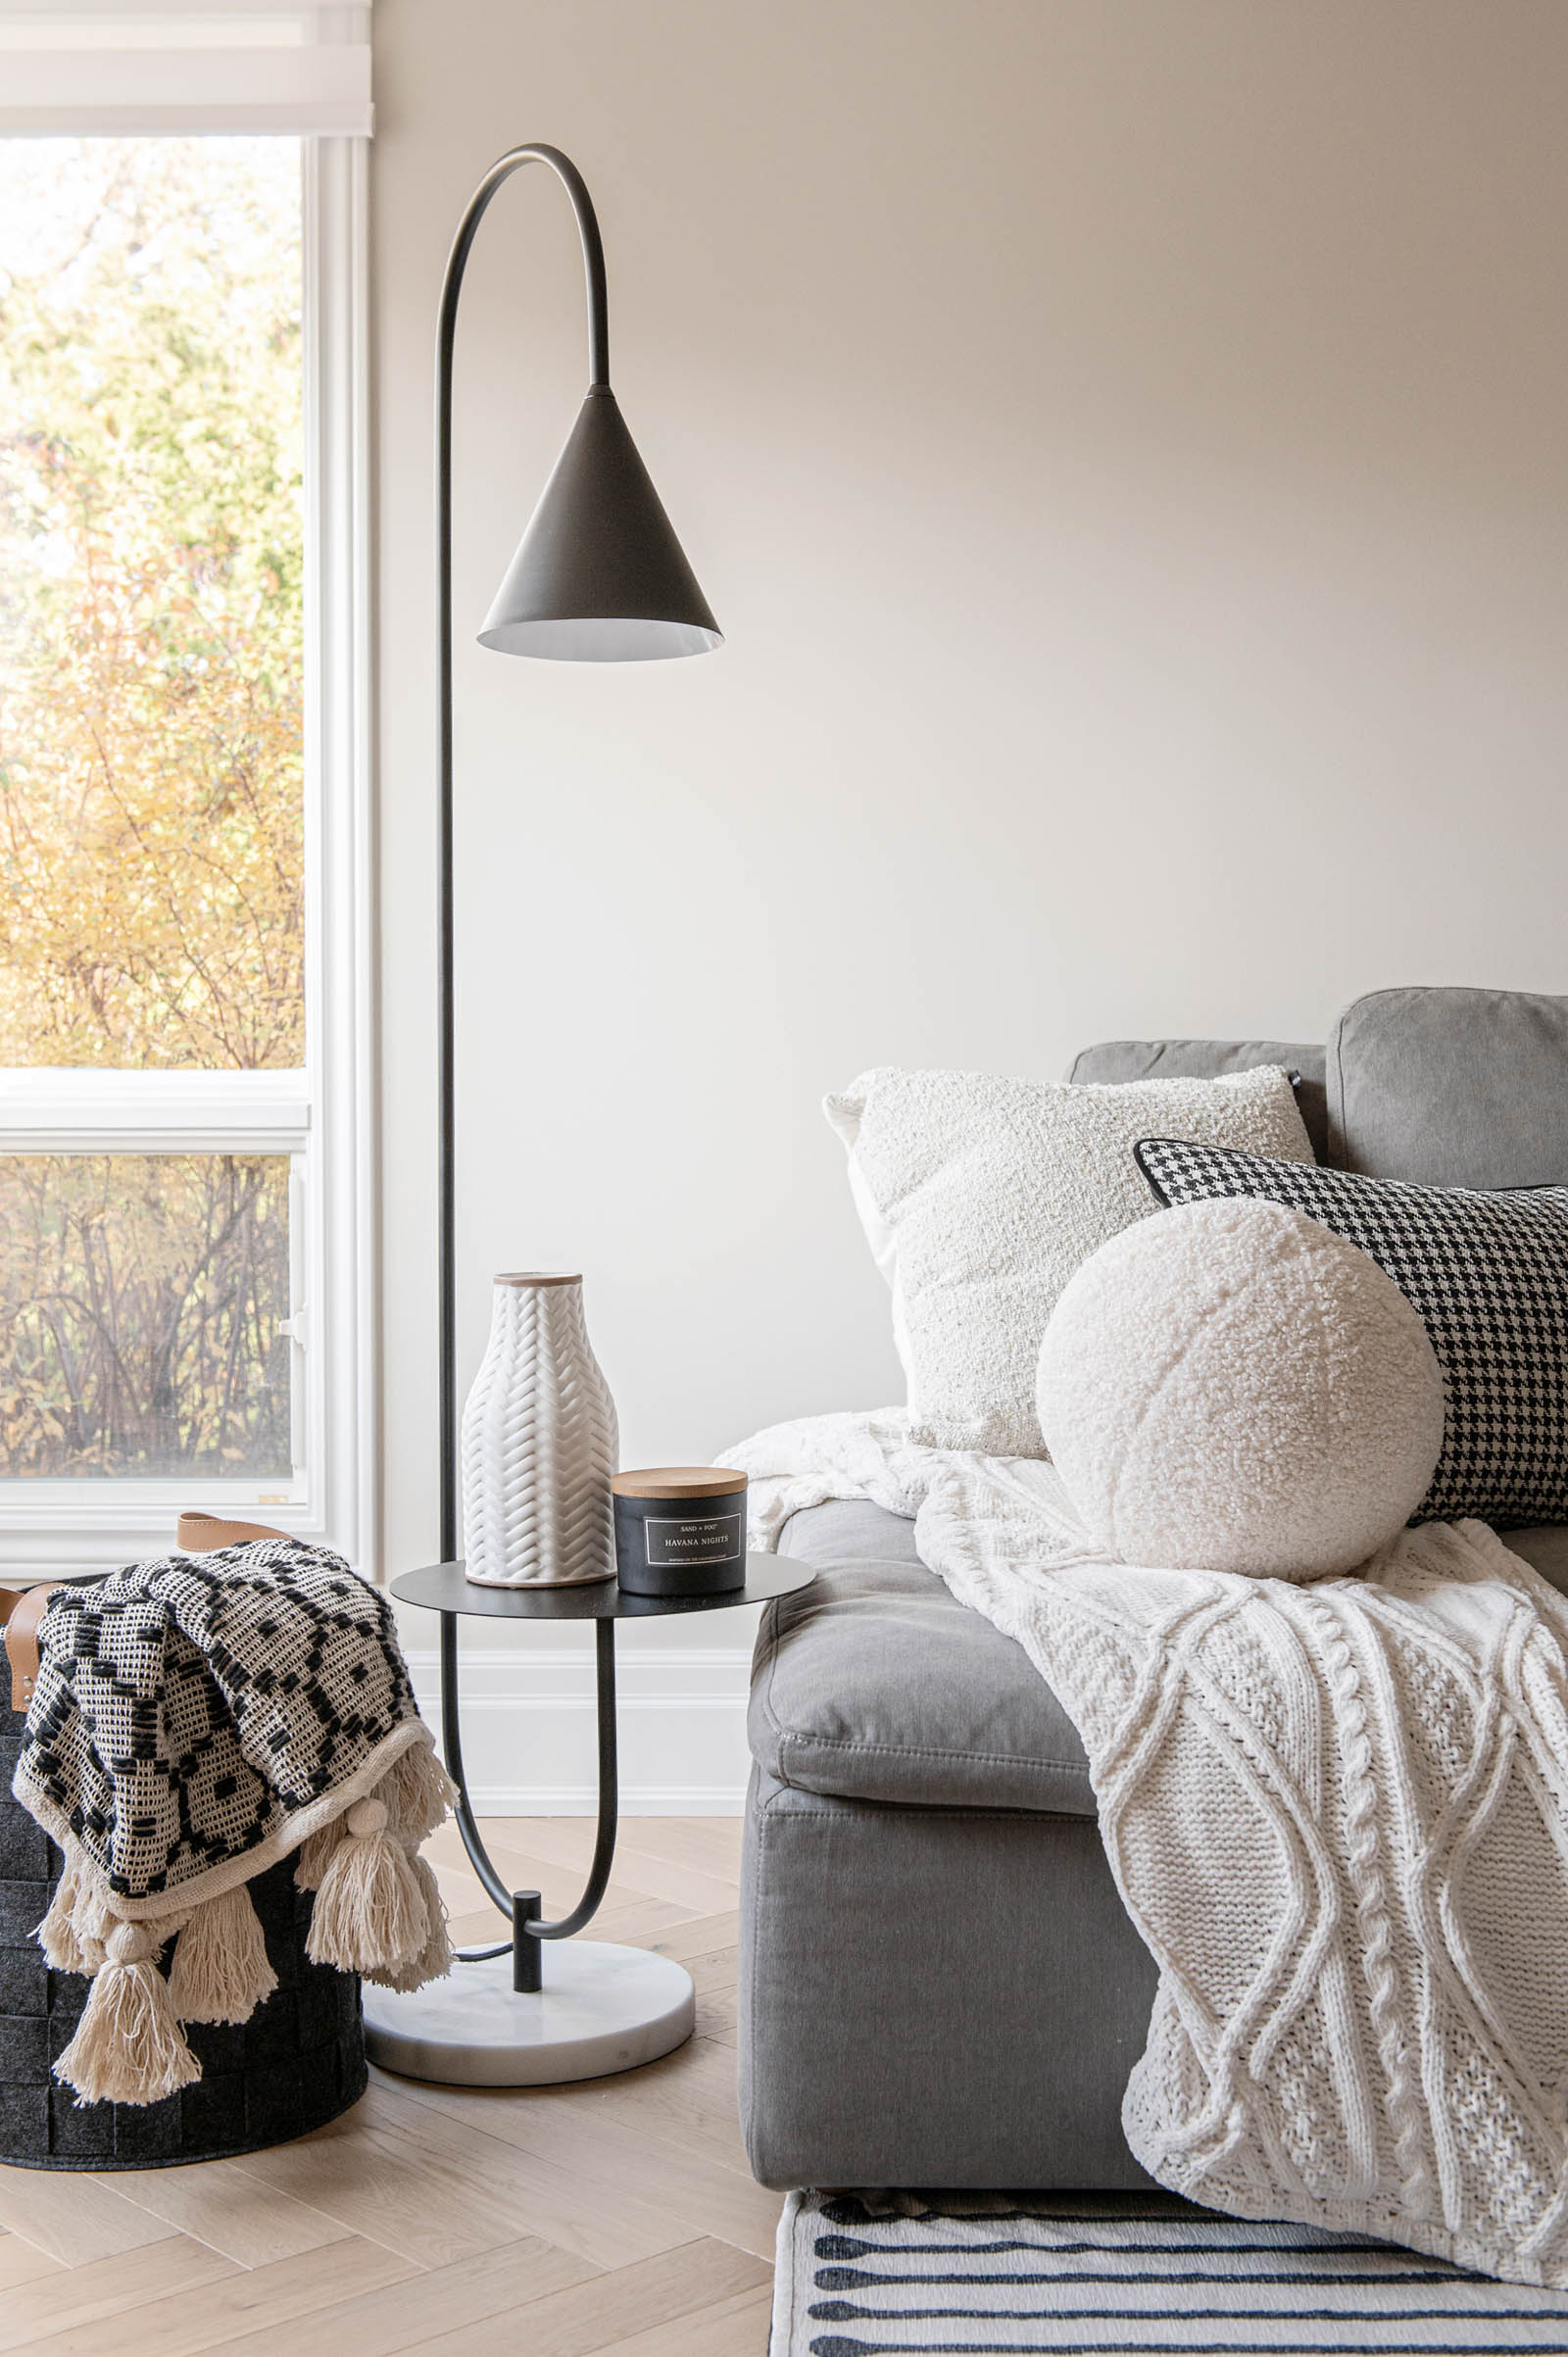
<point x="679" y="1481"/>
<point x="534" y="1276"/>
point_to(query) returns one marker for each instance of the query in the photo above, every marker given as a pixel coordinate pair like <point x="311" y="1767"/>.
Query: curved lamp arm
<point x="528" y="1929"/>
<point x="593" y="255"/>
<point x="599" y="576"/>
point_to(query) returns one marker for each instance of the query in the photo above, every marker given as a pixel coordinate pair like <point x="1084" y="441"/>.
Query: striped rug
<point x="873" y="2278"/>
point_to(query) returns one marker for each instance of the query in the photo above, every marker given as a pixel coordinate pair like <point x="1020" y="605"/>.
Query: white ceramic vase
<point x="539" y="1445"/>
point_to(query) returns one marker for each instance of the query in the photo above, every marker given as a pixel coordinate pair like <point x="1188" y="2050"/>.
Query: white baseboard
<point x="529" y="1731"/>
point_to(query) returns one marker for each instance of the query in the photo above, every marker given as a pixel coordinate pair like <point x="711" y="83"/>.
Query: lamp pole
<point x="593" y="255"/>
<point x="599" y="576"/>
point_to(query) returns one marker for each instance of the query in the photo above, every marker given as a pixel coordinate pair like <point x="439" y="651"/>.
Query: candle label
<point x="716" y="1539"/>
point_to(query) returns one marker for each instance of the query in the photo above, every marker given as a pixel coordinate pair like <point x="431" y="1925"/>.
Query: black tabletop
<point x="442" y="1588"/>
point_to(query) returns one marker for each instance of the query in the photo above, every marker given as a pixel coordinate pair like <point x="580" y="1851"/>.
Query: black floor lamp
<point x="599" y="576"/>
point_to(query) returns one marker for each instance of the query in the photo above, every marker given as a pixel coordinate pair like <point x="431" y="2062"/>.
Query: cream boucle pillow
<point x="981" y="1196"/>
<point x="1233" y="1387"/>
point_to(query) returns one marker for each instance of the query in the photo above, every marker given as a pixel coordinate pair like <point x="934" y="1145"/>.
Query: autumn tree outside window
<point x="183" y="1195"/>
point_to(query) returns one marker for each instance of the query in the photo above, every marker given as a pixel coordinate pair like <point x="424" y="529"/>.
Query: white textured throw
<point x="1338" y="1815"/>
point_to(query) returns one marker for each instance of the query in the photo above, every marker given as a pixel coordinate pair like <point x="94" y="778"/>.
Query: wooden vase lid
<point x="679" y="1481"/>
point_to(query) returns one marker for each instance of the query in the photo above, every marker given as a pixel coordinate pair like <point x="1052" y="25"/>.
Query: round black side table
<point x="501" y="2019"/>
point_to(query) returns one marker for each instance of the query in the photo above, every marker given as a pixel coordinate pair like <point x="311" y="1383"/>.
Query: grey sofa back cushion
<point x="1206" y="1059"/>
<point x="1451" y="1088"/>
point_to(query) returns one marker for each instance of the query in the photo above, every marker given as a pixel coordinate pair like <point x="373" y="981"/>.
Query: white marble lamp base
<point x="602" y="2008"/>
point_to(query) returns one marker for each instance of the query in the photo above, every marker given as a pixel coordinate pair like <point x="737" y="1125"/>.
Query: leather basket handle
<point x="21" y="1615"/>
<point x="199" y="1534"/>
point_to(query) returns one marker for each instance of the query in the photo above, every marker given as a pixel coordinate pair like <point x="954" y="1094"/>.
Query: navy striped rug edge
<point x="885" y="2276"/>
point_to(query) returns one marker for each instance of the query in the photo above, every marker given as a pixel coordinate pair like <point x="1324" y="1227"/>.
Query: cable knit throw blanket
<point x="194" y="1721"/>
<point x="1337" y="1814"/>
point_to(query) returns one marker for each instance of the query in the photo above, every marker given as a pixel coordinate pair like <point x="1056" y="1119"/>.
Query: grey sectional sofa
<point x="939" y="1987"/>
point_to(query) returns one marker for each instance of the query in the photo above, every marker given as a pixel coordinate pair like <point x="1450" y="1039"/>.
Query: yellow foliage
<point x="151" y="780"/>
<point x="151" y="605"/>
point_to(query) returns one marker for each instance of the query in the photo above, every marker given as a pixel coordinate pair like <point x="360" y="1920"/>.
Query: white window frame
<point x="321" y="1116"/>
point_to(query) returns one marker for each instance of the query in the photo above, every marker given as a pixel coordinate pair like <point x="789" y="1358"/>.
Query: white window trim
<point x="128" y="68"/>
<point x="323" y="1116"/>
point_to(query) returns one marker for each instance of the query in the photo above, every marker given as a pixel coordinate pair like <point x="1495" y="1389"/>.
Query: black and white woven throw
<point x="194" y="1721"/>
<point x="1488" y="1275"/>
<point x="1064" y="2277"/>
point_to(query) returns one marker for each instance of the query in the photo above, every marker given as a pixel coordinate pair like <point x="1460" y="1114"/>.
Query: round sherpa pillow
<point x="1229" y="1386"/>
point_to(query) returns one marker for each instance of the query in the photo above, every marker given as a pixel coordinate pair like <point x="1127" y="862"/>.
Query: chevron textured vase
<point x="539" y="1445"/>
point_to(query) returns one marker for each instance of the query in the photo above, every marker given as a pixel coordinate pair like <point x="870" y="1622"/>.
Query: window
<point x="183" y="1092"/>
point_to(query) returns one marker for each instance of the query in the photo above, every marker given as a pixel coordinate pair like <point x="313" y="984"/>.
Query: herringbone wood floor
<point x="617" y="2217"/>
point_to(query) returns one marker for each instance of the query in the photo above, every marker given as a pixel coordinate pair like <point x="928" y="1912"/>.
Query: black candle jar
<point x="680" y="1529"/>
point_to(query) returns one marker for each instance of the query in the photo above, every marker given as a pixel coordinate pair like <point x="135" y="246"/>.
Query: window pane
<point x="140" y="1297"/>
<point x="151" y="603"/>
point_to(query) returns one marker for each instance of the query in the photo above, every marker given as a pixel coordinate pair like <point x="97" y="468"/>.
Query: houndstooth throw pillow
<point x="1488" y="1276"/>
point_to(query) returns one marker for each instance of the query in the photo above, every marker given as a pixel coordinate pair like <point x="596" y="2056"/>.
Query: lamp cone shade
<point x="600" y="575"/>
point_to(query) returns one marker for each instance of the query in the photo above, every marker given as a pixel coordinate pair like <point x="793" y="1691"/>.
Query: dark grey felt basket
<point x="297" y="2063"/>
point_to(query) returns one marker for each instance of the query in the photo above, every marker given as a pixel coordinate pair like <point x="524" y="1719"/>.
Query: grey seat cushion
<point x="1451" y="1088"/>
<point x="875" y="1684"/>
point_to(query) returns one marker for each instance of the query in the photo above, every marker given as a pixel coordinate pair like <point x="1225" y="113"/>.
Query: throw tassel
<point x="370" y="1912"/>
<point x="90" y="1925"/>
<point x="317" y="1852"/>
<point x="63" y="1952"/>
<point x="418" y="1791"/>
<point x="221" y="1971"/>
<point x="434" y="1960"/>
<point x="129" y="2047"/>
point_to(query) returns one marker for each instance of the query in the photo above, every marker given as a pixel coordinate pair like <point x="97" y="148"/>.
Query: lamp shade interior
<point x="601" y="638"/>
<point x="599" y="575"/>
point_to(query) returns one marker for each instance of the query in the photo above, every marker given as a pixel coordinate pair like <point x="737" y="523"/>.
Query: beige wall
<point x="1124" y="442"/>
